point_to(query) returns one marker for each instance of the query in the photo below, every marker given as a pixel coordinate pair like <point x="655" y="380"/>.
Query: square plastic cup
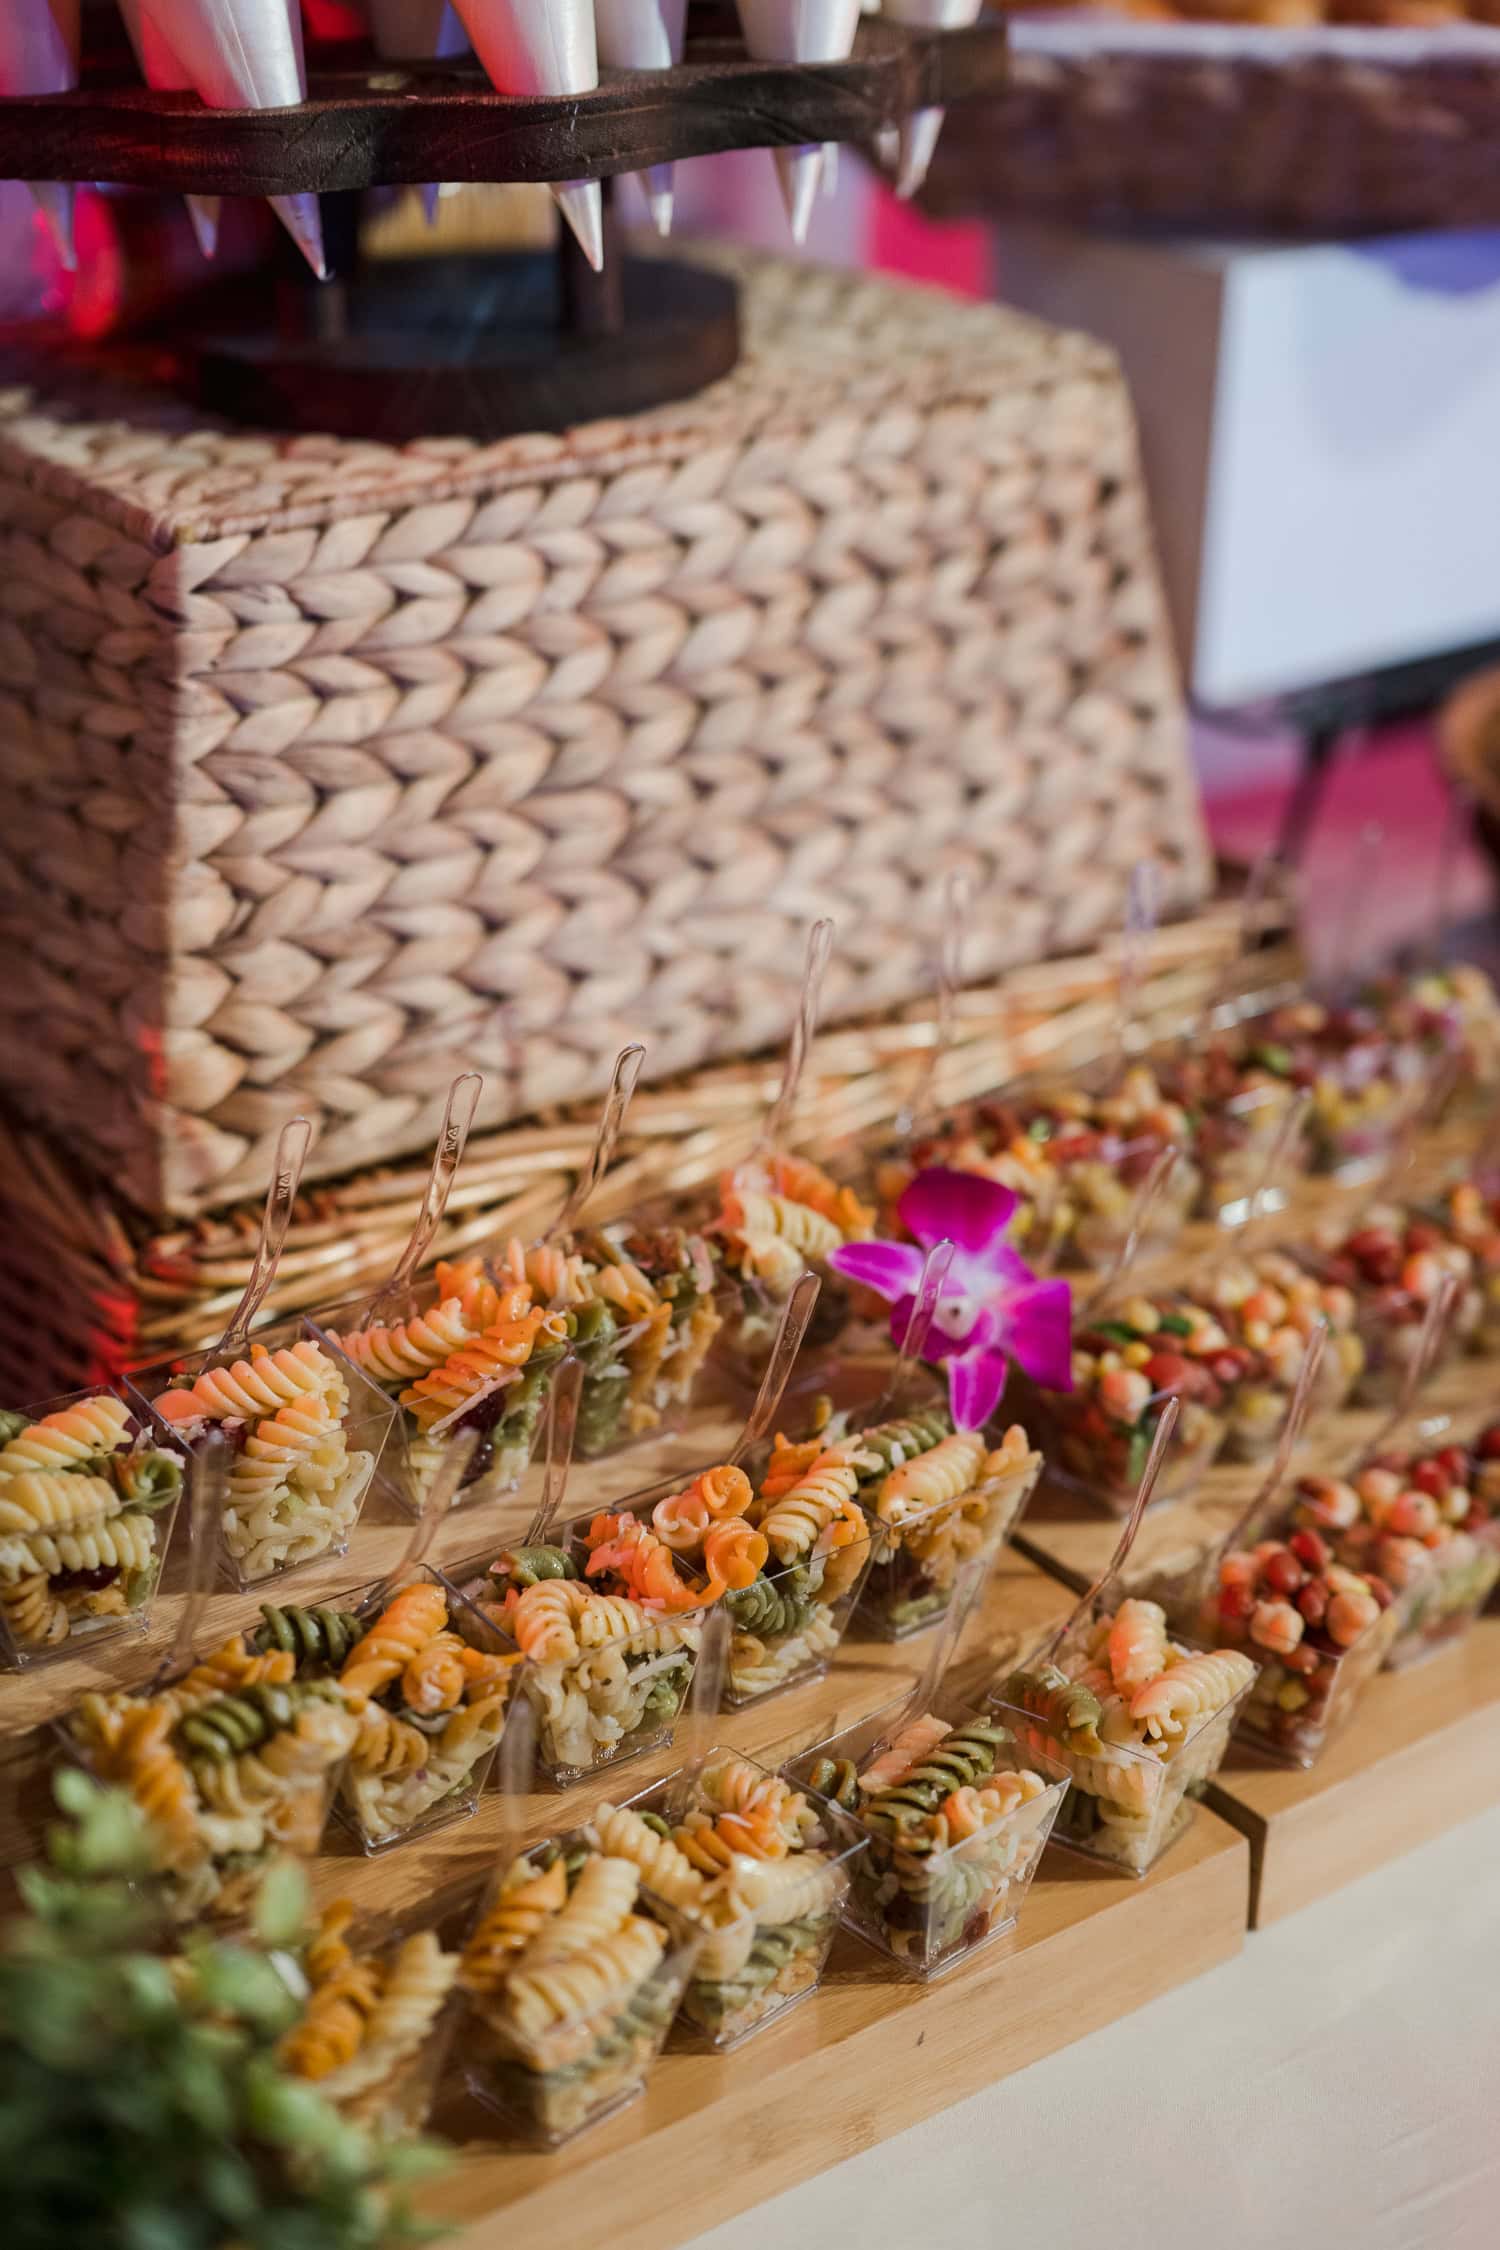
<point x="1127" y="1804"/>
<point x="787" y="1625"/>
<point x="914" y="1565"/>
<point x="412" y="1769"/>
<point x="1362" y="1104"/>
<point x="83" y="1540"/>
<point x="929" y="1910"/>
<point x="1102" y="1456"/>
<point x="509" y="1420"/>
<point x="597" y="1701"/>
<point x="231" y="1773"/>
<point x="569" y="2065"/>
<point x="307" y="1433"/>
<point x="749" y="1973"/>
<point x="1233" y="1143"/>
<point x="1439" y="1607"/>
<point x="389" y="2084"/>
<point x="1291" y="1715"/>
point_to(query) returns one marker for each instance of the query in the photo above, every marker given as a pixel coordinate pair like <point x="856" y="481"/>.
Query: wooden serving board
<point x="1422" y="1751"/>
<point x="843" y="2071"/>
<point x="1421" y="1754"/>
<point x="865" y="2058"/>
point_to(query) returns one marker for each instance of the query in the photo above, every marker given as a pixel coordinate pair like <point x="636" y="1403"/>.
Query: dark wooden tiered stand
<point x="478" y="346"/>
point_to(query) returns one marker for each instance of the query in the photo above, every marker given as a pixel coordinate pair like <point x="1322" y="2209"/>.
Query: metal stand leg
<point x="1303" y="806"/>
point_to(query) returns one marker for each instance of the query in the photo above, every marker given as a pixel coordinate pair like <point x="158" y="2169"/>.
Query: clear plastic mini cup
<point x="926" y="1903"/>
<point x="556" y="2051"/>
<point x="86" y="1515"/>
<point x="1097" y="1444"/>
<point x="916" y="1560"/>
<point x="1127" y="1803"/>
<point x="605" y="1677"/>
<point x="1293" y="1716"/>
<point x="431" y="1704"/>
<point x="1439" y="1607"/>
<point x="379" y="2063"/>
<point x="509" y="1415"/>
<point x="306" y="1432"/>
<point x="763" y="1949"/>
<point x="1234" y="1139"/>
<point x="233" y="1760"/>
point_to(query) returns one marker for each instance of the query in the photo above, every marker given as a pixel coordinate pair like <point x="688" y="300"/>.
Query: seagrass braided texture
<point x="332" y="769"/>
<point x="88" y="1289"/>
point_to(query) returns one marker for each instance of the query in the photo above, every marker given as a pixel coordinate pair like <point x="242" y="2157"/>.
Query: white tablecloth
<point x="1337" y="2087"/>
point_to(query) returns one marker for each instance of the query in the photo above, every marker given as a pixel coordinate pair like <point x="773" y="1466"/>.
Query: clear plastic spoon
<point x="291" y="1155"/>
<point x="458" y="1117"/>
<point x="779" y="1116"/>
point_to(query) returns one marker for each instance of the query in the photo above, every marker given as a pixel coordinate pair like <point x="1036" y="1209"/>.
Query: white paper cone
<point x="830" y="168"/>
<point x="661" y="195"/>
<point x="918" y="138"/>
<point x="160" y="68"/>
<point x="545" y="47"/>
<point x="244" y="54"/>
<point x="416" y="30"/>
<point x="581" y="203"/>
<point x="534" y="46"/>
<point x="645" y="35"/>
<point x="805" y="31"/>
<point x="800" y="172"/>
<point x="918" y="144"/>
<point x="39" y="43"/>
<point x="799" y="31"/>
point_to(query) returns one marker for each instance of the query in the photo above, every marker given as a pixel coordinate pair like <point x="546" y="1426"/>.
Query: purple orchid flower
<point x="993" y="1308"/>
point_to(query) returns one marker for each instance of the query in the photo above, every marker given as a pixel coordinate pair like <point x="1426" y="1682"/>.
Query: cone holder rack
<point x="480" y="346"/>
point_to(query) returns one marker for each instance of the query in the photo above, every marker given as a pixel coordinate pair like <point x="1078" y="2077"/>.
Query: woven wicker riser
<point x="319" y="754"/>
<point x="84" y="1289"/>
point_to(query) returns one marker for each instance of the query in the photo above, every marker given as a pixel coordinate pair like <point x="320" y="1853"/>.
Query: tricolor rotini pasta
<point x="952" y="1827"/>
<point x="1138" y="1719"/>
<point x="429" y="1705"/>
<point x="231" y="1763"/>
<point x="364" y="2038"/>
<point x="748" y="1859"/>
<point x="609" y="1654"/>
<point x="573" y="1973"/>
<point x="932" y="1497"/>
<point x="86" y="1504"/>
<point x="480" y="1356"/>
<point x="296" y="1484"/>
<point x="778" y="1217"/>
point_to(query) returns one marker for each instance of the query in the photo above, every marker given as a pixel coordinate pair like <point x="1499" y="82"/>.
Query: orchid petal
<point x="976" y="1384"/>
<point x="982" y="1332"/>
<point x="891" y="1269"/>
<point x="1036" y="1328"/>
<point x="971" y="1211"/>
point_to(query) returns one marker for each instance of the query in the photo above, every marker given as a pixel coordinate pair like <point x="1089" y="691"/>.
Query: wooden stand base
<point x="477" y="347"/>
<point x="1421" y="1754"/>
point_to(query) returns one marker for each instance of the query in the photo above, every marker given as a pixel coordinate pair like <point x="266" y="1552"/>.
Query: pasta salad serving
<point x="754" y="1864"/>
<point x="479" y="1355"/>
<point x="372" y="2032"/>
<point x="952" y="1822"/>
<point x="607" y="1672"/>
<point x="87" y="1502"/>
<point x="572" y="1976"/>
<point x="1137" y="1718"/>
<point x="304" y="1435"/>
<point x="429" y="1685"/>
<point x="231" y="1763"/>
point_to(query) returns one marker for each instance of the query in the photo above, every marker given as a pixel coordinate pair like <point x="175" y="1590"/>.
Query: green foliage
<point x="142" y="2106"/>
